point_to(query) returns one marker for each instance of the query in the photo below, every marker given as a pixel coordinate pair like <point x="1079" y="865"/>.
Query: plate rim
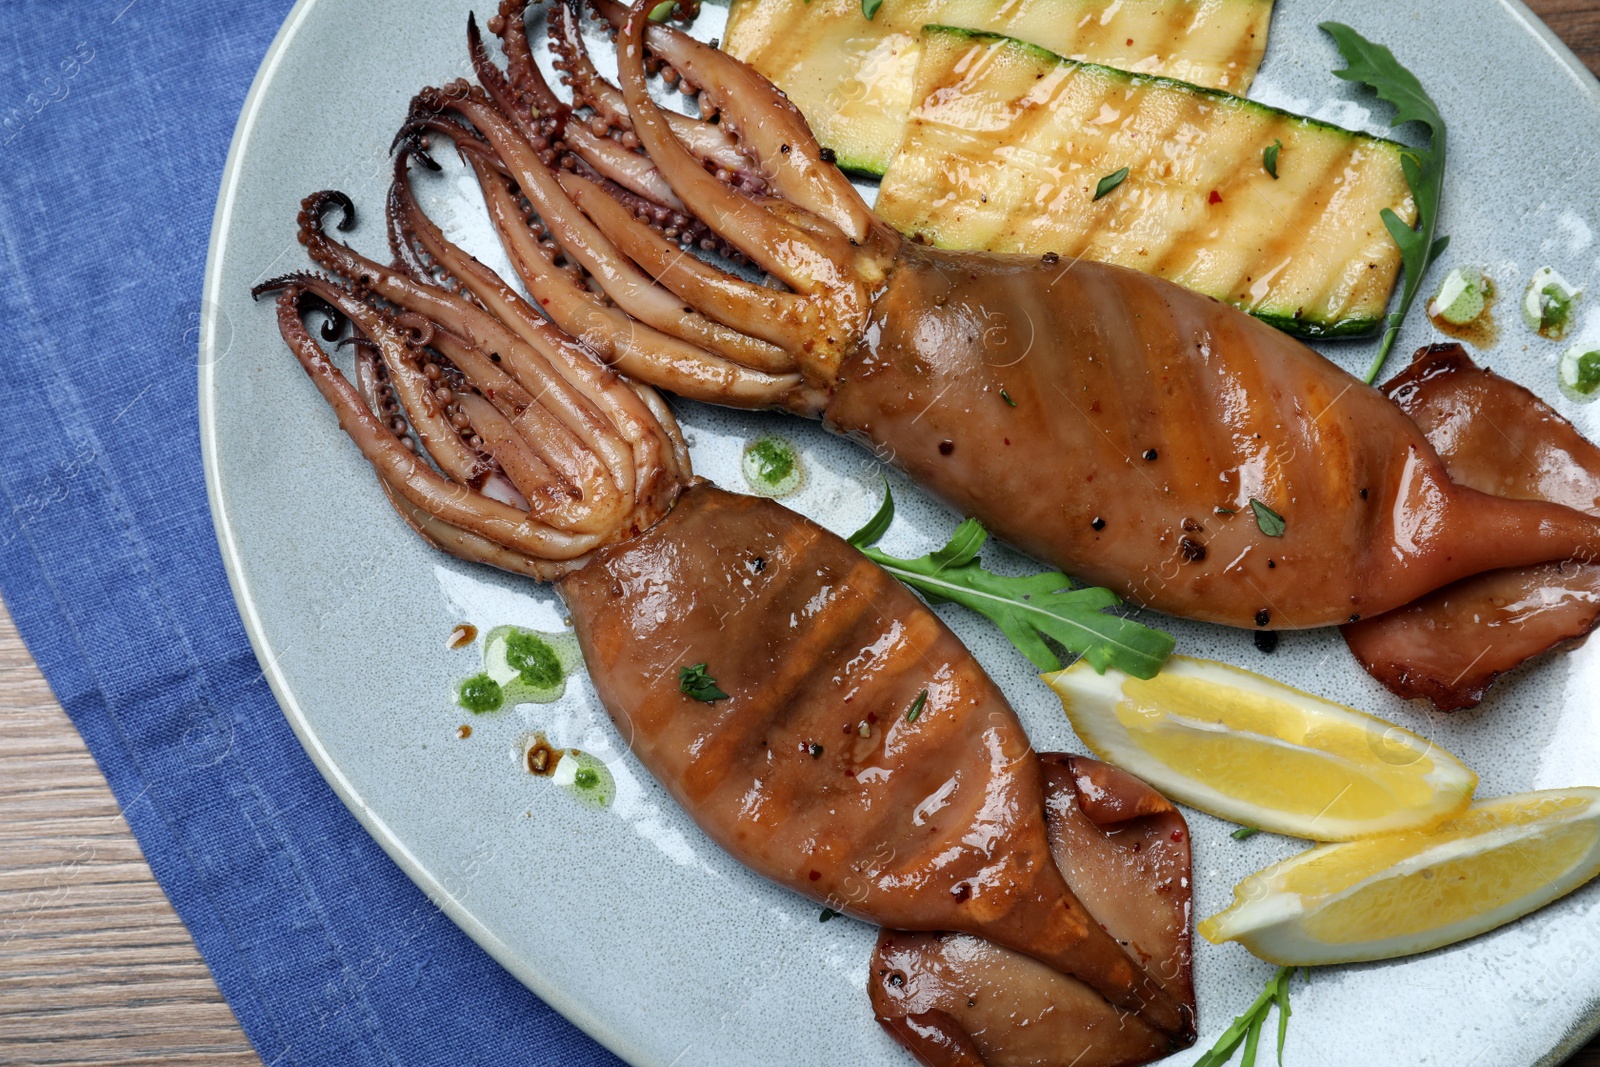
<point x="575" y="1011"/>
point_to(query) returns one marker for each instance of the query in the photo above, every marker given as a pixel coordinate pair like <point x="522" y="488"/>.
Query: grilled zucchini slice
<point x="852" y="78"/>
<point x="1008" y="145"/>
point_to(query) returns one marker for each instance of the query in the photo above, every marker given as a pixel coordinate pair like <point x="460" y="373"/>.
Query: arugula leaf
<point x="662" y="11"/>
<point x="1270" y="521"/>
<point x="1027" y="609"/>
<point x="1110" y="182"/>
<point x="1247" y="1028"/>
<point x="1252" y="1041"/>
<point x="1284" y="1011"/>
<point x="1375" y="66"/>
<point x="1269" y="158"/>
<point x="1244" y="833"/>
<point x="827" y="914"/>
<point x="695" y="683"/>
<point x="878" y="525"/>
<point x="869" y="8"/>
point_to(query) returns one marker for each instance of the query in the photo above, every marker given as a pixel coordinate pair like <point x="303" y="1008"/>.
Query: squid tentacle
<point x="428" y="400"/>
<point x="766" y="125"/>
<point x="613" y="423"/>
<point x="377" y="385"/>
<point x="777" y="317"/>
<point x="633" y="348"/>
<point x="634" y="292"/>
<point x="707" y="141"/>
<point x="782" y="249"/>
<point x="535" y="111"/>
<point x="441" y="535"/>
<point x="523" y="106"/>
<point x="636" y="183"/>
<point x="548" y="113"/>
<point x="413" y="479"/>
<point x="627" y="168"/>
<point x="540" y="477"/>
<point x="609" y="157"/>
<point x="826" y="268"/>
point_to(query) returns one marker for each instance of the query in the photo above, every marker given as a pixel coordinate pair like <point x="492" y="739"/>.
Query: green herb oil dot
<point x="586" y="778"/>
<point x="480" y="694"/>
<point x="534" y="660"/>
<point x="1580" y="374"/>
<point x="1588" y="372"/>
<point x="771" y="466"/>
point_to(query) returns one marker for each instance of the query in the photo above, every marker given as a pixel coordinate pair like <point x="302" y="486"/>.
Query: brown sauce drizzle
<point x="1481" y="332"/>
<point x="540" y="758"/>
<point x="462" y="636"/>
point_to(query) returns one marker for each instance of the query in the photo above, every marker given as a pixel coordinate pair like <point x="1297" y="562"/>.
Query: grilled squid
<point x="955" y="1000"/>
<point x="502" y="441"/>
<point x="1494" y="435"/>
<point x="1130" y="432"/>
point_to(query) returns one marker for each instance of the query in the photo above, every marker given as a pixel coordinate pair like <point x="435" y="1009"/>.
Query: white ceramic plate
<point x="628" y="920"/>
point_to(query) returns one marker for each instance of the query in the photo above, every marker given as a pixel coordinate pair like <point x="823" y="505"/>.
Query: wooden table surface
<point x="95" y="967"/>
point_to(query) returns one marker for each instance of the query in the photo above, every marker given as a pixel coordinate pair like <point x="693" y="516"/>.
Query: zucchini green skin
<point x="852" y="78"/>
<point x="1009" y="140"/>
<point x="1344" y="329"/>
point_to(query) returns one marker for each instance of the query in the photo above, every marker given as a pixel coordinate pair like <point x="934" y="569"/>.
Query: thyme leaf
<point x="1269" y="158"/>
<point x="695" y="683"/>
<point x="916" y="706"/>
<point x="1109" y="182"/>
<point x="1270" y="521"/>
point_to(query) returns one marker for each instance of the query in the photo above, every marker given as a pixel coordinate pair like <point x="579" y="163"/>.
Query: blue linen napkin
<point x="115" y="118"/>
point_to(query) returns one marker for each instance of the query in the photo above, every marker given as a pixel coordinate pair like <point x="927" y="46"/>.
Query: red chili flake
<point x="1216" y="197"/>
<point x="872" y="716"/>
<point x="1007" y="440"/>
<point x="1095" y="407"/>
<point x="816" y="876"/>
<point x="1177" y="835"/>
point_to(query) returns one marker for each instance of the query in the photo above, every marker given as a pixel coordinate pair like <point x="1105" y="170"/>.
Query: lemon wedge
<point x="1256" y="752"/>
<point x="1411" y="892"/>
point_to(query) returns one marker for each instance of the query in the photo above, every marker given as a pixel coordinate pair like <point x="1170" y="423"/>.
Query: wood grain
<point x="1577" y="23"/>
<point x="95" y="967"/>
